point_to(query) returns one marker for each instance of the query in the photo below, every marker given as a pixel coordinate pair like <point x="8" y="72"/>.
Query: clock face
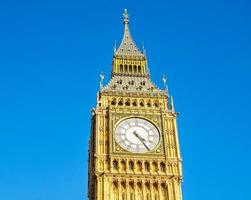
<point x="137" y="135"/>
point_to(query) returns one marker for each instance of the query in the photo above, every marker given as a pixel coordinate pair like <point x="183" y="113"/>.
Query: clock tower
<point x="134" y="150"/>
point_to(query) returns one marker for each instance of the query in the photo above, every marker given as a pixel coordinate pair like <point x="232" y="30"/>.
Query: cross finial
<point x="126" y="16"/>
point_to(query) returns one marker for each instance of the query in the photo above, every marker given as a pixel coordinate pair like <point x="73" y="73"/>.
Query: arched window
<point x="126" y="68"/>
<point x="147" y="167"/>
<point x="131" y="165"/>
<point x="162" y="167"/>
<point x="134" y="103"/>
<point x="130" y="68"/>
<point x="131" y="82"/>
<point x="127" y="103"/>
<point x="155" y="167"/>
<point x="115" y="164"/>
<point x="139" y="166"/>
<point x="123" y="165"/>
<point x="113" y="102"/>
<point x="156" y="104"/>
<point x="143" y="83"/>
<point x="121" y="68"/>
<point x="135" y="69"/>
<point x="139" y="69"/>
<point x="141" y="103"/>
<point x="119" y="82"/>
<point x="120" y="102"/>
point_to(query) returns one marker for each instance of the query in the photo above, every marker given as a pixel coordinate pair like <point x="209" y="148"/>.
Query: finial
<point x="165" y="82"/>
<point x="143" y="48"/>
<point x="97" y="99"/>
<point x="115" y="46"/>
<point x="171" y="104"/>
<point x="101" y="80"/>
<point x="126" y="16"/>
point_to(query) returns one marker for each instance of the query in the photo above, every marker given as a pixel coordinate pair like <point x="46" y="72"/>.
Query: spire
<point x="128" y="46"/>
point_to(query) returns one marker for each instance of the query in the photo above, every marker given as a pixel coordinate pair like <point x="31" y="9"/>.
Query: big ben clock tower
<point x="134" y="150"/>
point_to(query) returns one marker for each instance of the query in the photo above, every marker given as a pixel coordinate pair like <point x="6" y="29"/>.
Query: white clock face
<point x="137" y="135"/>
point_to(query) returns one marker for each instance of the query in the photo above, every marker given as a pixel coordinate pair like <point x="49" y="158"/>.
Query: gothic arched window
<point x="147" y="167"/>
<point x="156" y="104"/>
<point x="123" y="165"/>
<point x="121" y="68"/>
<point x="141" y="103"/>
<point x="131" y="165"/>
<point x="120" y="102"/>
<point x="127" y="103"/>
<point x="115" y="164"/>
<point x="134" y="103"/>
<point x="130" y="68"/>
<point x="139" y="69"/>
<point x="135" y="69"/>
<point x="162" y="167"/>
<point x="113" y="102"/>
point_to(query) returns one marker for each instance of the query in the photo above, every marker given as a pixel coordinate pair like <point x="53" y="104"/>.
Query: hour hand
<point x="141" y="139"/>
<point x="137" y="135"/>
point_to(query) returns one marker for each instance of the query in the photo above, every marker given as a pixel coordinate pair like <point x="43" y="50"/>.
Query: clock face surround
<point x="137" y="135"/>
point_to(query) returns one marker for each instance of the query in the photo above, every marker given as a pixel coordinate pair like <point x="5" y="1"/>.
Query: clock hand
<point x="137" y="135"/>
<point x="146" y="146"/>
<point x="141" y="139"/>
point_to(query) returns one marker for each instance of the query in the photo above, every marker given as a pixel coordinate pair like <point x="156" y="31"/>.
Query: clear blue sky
<point x="51" y="54"/>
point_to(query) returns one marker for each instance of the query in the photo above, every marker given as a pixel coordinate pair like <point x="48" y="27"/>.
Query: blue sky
<point x="51" y="54"/>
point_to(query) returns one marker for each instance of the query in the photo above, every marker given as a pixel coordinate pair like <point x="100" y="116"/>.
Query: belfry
<point x="134" y="150"/>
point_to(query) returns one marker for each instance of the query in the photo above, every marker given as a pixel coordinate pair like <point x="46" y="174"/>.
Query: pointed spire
<point x="128" y="46"/>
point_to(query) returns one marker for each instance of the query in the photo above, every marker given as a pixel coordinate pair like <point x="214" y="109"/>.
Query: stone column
<point x="143" y="190"/>
<point x="119" y="190"/>
<point x="127" y="190"/>
<point x="159" y="191"/>
<point x="169" y="189"/>
<point x="151" y="190"/>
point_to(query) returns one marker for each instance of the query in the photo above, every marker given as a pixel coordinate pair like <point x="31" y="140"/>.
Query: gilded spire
<point x="128" y="46"/>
